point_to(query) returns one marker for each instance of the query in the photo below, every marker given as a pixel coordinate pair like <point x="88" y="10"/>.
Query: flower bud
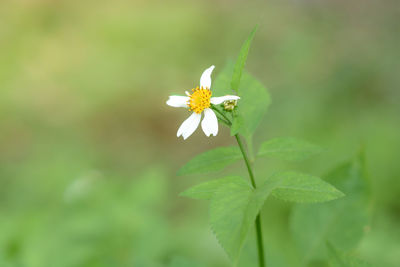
<point x="230" y="105"/>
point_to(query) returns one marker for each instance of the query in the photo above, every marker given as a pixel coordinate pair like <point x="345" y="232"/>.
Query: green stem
<point x="222" y="114"/>
<point x="246" y="160"/>
<point x="228" y="123"/>
<point x="260" y="245"/>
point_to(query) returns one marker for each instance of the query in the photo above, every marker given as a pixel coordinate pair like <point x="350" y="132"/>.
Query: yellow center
<point x="199" y="99"/>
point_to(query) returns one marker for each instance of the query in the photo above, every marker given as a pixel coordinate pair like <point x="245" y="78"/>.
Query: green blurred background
<point x="88" y="147"/>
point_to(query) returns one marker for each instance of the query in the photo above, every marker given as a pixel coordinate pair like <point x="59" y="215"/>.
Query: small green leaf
<point x="298" y="187"/>
<point x="288" y="148"/>
<point x="233" y="211"/>
<point x="252" y="105"/>
<point x="206" y="190"/>
<point x="339" y="222"/>
<point x="212" y="160"/>
<point x="241" y="61"/>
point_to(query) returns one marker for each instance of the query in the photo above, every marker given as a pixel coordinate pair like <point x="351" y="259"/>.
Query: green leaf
<point x="212" y="160"/>
<point x="339" y="222"/>
<point x="206" y="190"/>
<point x="338" y="259"/>
<point x="241" y="61"/>
<point x="237" y="124"/>
<point x="233" y="211"/>
<point x="252" y="105"/>
<point x="298" y="187"/>
<point x="221" y="85"/>
<point x="288" y="148"/>
<point x="351" y="177"/>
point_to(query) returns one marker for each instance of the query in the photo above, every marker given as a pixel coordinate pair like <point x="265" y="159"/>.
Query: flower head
<point x="199" y="102"/>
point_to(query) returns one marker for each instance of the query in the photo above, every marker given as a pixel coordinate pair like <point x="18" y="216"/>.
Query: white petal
<point x="205" y="79"/>
<point x="189" y="125"/>
<point x="221" y="99"/>
<point x="210" y="122"/>
<point x="178" y="101"/>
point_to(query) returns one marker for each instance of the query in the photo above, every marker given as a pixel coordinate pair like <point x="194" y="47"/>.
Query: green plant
<point x="235" y="202"/>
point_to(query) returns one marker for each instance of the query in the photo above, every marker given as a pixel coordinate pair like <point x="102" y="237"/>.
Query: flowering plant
<point x="235" y="203"/>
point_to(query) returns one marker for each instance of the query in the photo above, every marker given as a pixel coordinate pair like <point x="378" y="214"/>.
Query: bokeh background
<point x="88" y="148"/>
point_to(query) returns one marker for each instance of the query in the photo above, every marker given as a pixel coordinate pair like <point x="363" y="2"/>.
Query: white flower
<point x="199" y="102"/>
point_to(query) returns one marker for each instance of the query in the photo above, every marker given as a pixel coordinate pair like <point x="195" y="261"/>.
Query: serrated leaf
<point x="241" y="61"/>
<point x="339" y="259"/>
<point x="233" y="211"/>
<point x="298" y="187"/>
<point x="212" y="160"/>
<point x="339" y="222"/>
<point x="206" y="190"/>
<point x="287" y="148"/>
<point x="252" y="105"/>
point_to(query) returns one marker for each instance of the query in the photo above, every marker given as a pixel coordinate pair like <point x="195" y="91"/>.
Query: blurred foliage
<point x="341" y="222"/>
<point x="88" y="151"/>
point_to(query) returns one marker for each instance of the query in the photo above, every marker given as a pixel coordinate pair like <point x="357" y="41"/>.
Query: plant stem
<point x="222" y="114"/>
<point x="246" y="160"/>
<point x="260" y="245"/>
<point x="228" y="123"/>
